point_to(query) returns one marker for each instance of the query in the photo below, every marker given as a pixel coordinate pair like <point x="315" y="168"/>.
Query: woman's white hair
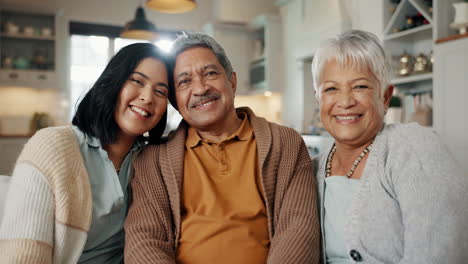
<point x="356" y="48"/>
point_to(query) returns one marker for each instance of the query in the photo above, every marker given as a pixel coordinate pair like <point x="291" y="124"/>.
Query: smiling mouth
<point x="139" y="111"/>
<point x="205" y="103"/>
<point x="348" y="117"/>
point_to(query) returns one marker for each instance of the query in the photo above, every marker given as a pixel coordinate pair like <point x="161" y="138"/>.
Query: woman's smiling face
<point x="351" y="106"/>
<point x="143" y="98"/>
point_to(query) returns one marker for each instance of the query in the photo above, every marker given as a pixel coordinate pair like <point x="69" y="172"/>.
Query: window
<point x="89" y="56"/>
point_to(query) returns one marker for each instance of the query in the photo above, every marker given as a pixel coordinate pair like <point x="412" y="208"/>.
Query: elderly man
<point x="228" y="186"/>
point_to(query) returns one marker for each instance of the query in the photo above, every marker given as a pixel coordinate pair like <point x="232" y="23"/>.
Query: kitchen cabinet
<point x="408" y="39"/>
<point x="28" y="78"/>
<point x="450" y="107"/>
<point x="266" y="54"/>
<point x="234" y="40"/>
<point x="27" y="49"/>
<point x="413" y="26"/>
<point x="255" y="52"/>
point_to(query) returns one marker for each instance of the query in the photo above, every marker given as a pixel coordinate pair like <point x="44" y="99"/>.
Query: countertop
<point x="16" y="135"/>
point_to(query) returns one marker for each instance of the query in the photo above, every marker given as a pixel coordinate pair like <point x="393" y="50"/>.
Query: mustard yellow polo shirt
<point x="224" y="218"/>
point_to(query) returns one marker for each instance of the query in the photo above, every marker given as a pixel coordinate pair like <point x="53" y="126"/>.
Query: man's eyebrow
<point x="210" y="66"/>
<point x="182" y="74"/>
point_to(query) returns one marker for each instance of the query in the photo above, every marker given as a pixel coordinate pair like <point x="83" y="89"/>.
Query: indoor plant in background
<point x="395" y="111"/>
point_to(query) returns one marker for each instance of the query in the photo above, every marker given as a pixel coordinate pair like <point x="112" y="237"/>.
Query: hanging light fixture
<point x="171" y="6"/>
<point x="139" y="27"/>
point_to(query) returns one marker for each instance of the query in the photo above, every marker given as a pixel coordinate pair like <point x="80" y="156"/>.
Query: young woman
<point x="69" y="191"/>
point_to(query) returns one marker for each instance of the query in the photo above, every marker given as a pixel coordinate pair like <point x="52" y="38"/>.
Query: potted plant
<point x="395" y="111"/>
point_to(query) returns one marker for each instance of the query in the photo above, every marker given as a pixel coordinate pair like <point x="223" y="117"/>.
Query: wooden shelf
<point x="410" y="33"/>
<point x="27" y="70"/>
<point x="258" y="60"/>
<point x="29" y="43"/>
<point x="27" y="37"/>
<point x="454" y="37"/>
<point x="412" y="78"/>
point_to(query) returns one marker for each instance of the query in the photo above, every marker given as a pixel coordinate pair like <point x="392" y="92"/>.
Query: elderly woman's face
<point x="351" y="108"/>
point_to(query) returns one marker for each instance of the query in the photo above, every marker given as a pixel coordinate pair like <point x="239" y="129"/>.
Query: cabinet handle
<point x="13" y="75"/>
<point x="42" y="77"/>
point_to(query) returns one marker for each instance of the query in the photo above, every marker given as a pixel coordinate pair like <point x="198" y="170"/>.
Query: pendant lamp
<point x="171" y="6"/>
<point x="139" y="27"/>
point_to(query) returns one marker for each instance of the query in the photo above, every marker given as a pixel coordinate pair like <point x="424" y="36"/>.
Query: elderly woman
<point x="388" y="193"/>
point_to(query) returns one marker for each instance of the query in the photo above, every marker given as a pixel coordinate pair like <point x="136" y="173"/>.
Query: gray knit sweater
<point x="412" y="205"/>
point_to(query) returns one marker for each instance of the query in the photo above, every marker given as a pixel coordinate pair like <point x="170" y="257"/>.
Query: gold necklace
<point x="355" y="163"/>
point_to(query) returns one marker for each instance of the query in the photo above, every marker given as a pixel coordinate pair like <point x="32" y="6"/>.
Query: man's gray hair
<point x="186" y="41"/>
<point x="356" y="48"/>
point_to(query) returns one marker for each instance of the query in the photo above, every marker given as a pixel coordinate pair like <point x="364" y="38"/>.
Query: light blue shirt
<point x="110" y="192"/>
<point x="339" y="191"/>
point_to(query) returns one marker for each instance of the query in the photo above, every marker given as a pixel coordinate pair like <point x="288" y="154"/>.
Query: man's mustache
<point x="205" y="98"/>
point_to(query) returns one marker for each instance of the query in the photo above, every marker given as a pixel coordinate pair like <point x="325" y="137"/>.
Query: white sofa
<point x="4" y="183"/>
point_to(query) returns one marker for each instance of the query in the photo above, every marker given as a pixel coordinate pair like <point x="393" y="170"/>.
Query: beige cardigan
<point x="153" y="223"/>
<point x="49" y="205"/>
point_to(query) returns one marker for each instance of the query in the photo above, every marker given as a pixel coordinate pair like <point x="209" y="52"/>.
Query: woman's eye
<point x="361" y="86"/>
<point x="137" y="81"/>
<point x="160" y="92"/>
<point x="329" y="89"/>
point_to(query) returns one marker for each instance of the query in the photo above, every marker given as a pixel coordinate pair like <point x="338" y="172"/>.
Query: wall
<point x="22" y="102"/>
<point x="241" y="11"/>
<point x="268" y="107"/>
<point x="305" y="25"/>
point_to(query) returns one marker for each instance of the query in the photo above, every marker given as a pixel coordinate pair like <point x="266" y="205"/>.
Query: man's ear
<point x="388" y="95"/>
<point x="233" y="81"/>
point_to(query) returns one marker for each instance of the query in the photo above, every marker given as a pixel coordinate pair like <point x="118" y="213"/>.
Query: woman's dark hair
<point x="95" y="113"/>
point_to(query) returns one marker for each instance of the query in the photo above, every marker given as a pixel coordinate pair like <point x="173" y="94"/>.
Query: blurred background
<point x="52" y="51"/>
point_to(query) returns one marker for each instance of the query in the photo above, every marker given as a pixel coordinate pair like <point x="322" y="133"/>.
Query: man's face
<point x="204" y="92"/>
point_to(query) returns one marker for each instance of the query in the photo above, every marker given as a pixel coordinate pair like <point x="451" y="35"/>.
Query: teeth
<point x="205" y="104"/>
<point x="140" y="111"/>
<point x="347" y="117"/>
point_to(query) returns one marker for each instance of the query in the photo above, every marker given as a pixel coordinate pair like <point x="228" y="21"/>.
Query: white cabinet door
<point x="28" y="78"/>
<point x="451" y="96"/>
<point x="234" y="40"/>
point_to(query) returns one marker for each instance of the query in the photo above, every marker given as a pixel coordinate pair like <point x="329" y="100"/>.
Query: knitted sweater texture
<point x="412" y="203"/>
<point x="51" y="195"/>
<point x="154" y="219"/>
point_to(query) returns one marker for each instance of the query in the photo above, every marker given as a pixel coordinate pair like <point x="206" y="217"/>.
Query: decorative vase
<point x="460" y="21"/>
